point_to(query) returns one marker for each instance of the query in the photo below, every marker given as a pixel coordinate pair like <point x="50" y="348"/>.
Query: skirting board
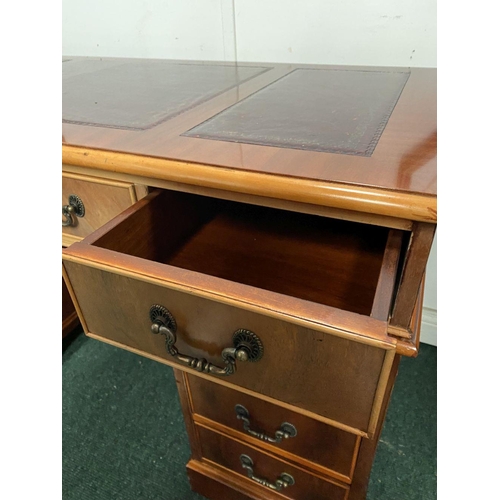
<point x="428" y="332"/>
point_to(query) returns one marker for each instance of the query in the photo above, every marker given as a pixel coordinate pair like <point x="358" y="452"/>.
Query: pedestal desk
<point x="264" y="230"/>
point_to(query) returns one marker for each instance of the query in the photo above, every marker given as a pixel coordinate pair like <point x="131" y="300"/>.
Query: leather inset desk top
<point x="385" y="127"/>
<point x="142" y="94"/>
<point x="330" y="110"/>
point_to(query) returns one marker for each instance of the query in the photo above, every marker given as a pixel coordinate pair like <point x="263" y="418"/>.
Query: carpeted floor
<point x="124" y="435"/>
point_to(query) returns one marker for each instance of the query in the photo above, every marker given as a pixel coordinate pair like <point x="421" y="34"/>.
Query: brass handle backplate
<point x="285" y="431"/>
<point x="75" y="208"/>
<point x="284" y="480"/>
<point x="246" y="345"/>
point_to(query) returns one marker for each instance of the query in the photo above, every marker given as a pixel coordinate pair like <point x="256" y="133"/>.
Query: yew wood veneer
<point x="277" y="263"/>
<point x="98" y="200"/>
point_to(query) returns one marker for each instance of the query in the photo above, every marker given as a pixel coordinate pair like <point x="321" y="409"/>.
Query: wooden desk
<point x="276" y="263"/>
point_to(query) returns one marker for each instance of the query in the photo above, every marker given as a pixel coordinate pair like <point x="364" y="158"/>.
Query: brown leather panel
<point x="335" y="111"/>
<point x="404" y="159"/>
<point x="142" y="94"/>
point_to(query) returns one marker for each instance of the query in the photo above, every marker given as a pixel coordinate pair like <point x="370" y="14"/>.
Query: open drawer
<point x="286" y="306"/>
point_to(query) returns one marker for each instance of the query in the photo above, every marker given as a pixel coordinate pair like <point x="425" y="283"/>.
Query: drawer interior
<point x="332" y="262"/>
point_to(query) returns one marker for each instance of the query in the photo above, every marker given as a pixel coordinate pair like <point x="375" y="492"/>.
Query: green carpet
<point x="123" y="434"/>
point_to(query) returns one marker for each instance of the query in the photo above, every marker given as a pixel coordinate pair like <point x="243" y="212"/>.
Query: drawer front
<point x="267" y="470"/>
<point x="320" y="373"/>
<point x="308" y="439"/>
<point x="102" y="200"/>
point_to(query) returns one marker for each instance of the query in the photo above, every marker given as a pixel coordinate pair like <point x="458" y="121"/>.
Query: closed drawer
<point x="268" y="471"/>
<point x="306" y="286"/>
<point x="101" y="199"/>
<point x="277" y="429"/>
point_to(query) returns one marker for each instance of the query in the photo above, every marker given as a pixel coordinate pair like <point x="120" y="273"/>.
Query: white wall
<point x="428" y="333"/>
<point x="187" y="29"/>
<point x="367" y="32"/>
<point x="371" y="32"/>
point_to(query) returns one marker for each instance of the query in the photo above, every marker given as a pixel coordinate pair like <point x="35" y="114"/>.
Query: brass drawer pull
<point x="284" y="480"/>
<point x="74" y="208"/>
<point x="285" y="431"/>
<point x="246" y="345"/>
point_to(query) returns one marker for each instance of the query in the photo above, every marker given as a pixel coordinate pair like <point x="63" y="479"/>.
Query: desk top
<point x="358" y="138"/>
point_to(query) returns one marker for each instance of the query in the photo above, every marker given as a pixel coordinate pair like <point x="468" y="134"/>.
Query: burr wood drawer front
<point x="278" y="430"/>
<point x="90" y="202"/>
<point x="245" y="296"/>
<point x="272" y="473"/>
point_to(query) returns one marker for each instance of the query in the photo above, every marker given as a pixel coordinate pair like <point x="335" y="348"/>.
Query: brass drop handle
<point x="246" y="345"/>
<point x="75" y="208"/>
<point x="285" y="431"/>
<point x="284" y="480"/>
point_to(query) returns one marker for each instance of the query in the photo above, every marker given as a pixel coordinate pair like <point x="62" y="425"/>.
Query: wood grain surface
<point x="292" y="206"/>
<point x="69" y="316"/>
<point x="387" y="277"/>
<point x="128" y="245"/>
<point x="412" y="275"/>
<point x="403" y="162"/>
<point x="103" y="200"/>
<point x="117" y="308"/>
<point x="225" y="452"/>
<point x="335" y="300"/>
<point x="331" y="450"/>
<point x="361" y="478"/>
